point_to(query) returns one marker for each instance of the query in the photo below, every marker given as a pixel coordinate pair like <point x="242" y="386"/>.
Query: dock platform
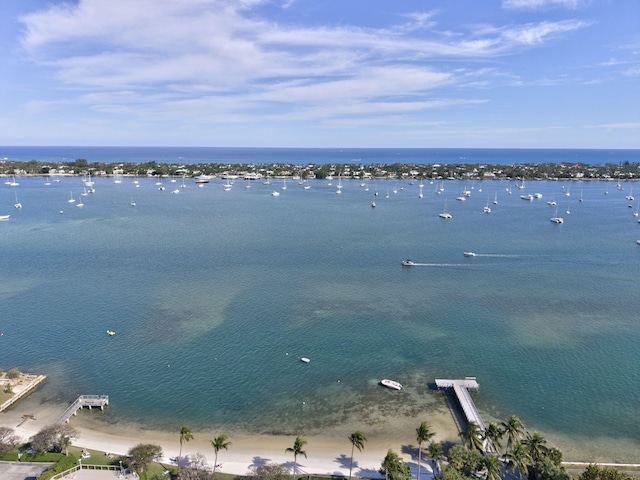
<point x="98" y="401"/>
<point x="461" y="389"/>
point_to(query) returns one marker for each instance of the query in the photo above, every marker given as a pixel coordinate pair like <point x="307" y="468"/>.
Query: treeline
<point x="533" y="171"/>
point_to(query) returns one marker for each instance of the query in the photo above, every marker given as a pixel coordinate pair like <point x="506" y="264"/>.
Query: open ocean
<point x="214" y="296"/>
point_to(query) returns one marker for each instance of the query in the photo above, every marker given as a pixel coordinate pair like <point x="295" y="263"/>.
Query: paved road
<point x="21" y="471"/>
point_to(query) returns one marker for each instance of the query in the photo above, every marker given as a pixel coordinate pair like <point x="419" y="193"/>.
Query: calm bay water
<point x="302" y="156"/>
<point x="215" y="295"/>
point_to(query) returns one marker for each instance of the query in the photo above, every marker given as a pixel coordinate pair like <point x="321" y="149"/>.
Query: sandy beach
<point x="328" y="449"/>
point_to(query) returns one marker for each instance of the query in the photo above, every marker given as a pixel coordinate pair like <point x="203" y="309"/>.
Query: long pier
<point x="99" y="401"/>
<point x="461" y="389"/>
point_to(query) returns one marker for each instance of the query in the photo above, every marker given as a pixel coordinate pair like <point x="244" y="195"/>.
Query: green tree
<point x="143" y="454"/>
<point x="473" y="436"/>
<point x="492" y="468"/>
<point x="219" y="443"/>
<point x="519" y="459"/>
<point x="492" y="435"/>
<point x="185" y="436"/>
<point x="393" y="468"/>
<point x="514" y="430"/>
<point x="594" y="472"/>
<point x="65" y="442"/>
<point x="468" y="462"/>
<point x="536" y="446"/>
<point x="297" y="450"/>
<point x="357" y="440"/>
<point x="435" y="453"/>
<point x="423" y="434"/>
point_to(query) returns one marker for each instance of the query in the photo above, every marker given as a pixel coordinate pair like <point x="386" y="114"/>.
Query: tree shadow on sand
<point x="259" y="462"/>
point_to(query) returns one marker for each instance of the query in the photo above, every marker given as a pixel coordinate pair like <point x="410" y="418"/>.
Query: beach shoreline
<point x="328" y="449"/>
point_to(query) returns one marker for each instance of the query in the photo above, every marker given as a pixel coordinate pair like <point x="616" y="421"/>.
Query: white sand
<point x="328" y="451"/>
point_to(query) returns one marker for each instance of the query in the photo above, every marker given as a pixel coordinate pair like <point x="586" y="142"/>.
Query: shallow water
<point x="214" y="297"/>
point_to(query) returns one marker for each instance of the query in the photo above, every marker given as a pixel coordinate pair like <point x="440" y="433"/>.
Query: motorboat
<point x="445" y="215"/>
<point x="275" y="194"/>
<point x="111" y="333"/>
<point x="469" y="254"/>
<point x="4" y="217"/>
<point x="391" y="384"/>
<point x="407" y="263"/>
<point x="305" y="359"/>
<point x="557" y="220"/>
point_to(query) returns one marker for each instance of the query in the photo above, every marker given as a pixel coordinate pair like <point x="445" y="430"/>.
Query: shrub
<point x="13" y="373"/>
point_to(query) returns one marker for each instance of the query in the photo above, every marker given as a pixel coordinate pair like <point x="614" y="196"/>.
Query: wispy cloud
<point x="539" y="4"/>
<point x="218" y="59"/>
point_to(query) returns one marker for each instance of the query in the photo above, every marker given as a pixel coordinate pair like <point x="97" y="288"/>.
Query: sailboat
<point x="444" y="214"/>
<point x="71" y="199"/>
<point x="487" y="208"/>
<point x="18" y="205"/>
<point x="284" y="184"/>
<point x="420" y="194"/>
<point x="556" y="219"/>
<point x="495" y="199"/>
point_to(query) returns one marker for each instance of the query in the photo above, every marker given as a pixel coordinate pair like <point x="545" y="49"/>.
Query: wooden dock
<point x="98" y="401"/>
<point x="461" y="389"/>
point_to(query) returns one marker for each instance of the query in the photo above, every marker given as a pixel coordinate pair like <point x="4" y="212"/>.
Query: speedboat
<point x="305" y="359"/>
<point x="557" y="220"/>
<point x="391" y="384"/>
<point x="445" y="215"/>
<point x="111" y="333"/>
<point x="4" y="217"/>
<point x="407" y="263"/>
<point x="469" y="254"/>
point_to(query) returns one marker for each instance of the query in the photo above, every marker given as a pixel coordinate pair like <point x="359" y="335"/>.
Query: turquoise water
<point x="215" y="295"/>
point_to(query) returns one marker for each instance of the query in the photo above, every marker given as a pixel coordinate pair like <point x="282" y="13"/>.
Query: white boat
<point x="557" y="220"/>
<point x="275" y="194"/>
<point x="391" y="384"/>
<point x="18" y="205"/>
<point x="4" y="217"/>
<point x="495" y="199"/>
<point x="527" y="197"/>
<point x="71" y="200"/>
<point x="407" y="263"/>
<point x="444" y="214"/>
<point x="469" y="254"/>
<point x="304" y="359"/>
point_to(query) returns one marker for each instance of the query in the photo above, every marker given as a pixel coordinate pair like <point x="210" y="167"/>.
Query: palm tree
<point x="513" y="429"/>
<point x="357" y="440"/>
<point x="492" y="435"/>
<point x="185" y="436"/>
<point x="297" y="450"/>
<point x="423" y="434"/>
<point x="65" y="442"/>
<point x="493" y="468"/>
<point x="536" y="446"/>
<point x="435" y="454"/>
<point x="219" y="443"/>
<point x="519" y="459"/>
<point x="473" y="436"/>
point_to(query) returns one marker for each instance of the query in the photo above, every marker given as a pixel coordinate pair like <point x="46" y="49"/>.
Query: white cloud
<point x="218" y="61"/>
<point x="538" y="4"/>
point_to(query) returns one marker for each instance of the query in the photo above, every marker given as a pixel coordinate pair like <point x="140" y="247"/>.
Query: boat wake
<point x="440" y="265"/>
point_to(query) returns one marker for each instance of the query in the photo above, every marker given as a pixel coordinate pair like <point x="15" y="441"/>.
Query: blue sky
<point x="321" y="73"/>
